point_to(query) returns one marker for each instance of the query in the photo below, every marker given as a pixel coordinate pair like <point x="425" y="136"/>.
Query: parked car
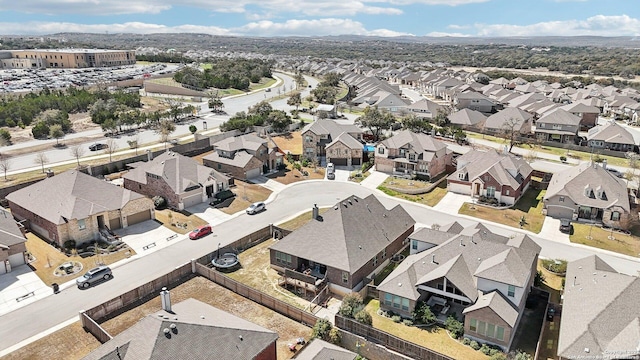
<point x="256" y="208"/>
<point x="267" y="90"/>
<point x="94" y="275"/>
<point x="98" y="146"/>
<point x="200" y="232"/>
<point x="331" y="171"/>
<point x="615" y="172"/>
<point x="551" y="312"/>
<point x="565" y="226"/>
<point x="221" y="196"/>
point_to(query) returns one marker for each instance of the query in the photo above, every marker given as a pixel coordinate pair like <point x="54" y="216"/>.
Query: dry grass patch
<point x="170" y="219"/>
<point x="291" y="142"/>
<point x="552" y="283"/>
<point x="246" y="194"/>
<point x="291" y="175"/>
<point x="431" y="198"/>
<point x="215" y="295"/>
<point x="605" y="239"/>
<point x="71" y="342"/>
<point x="405" y="184"/>
<point x="49" y="258"/>
<point x="435" y="338"/>
<point x="198" y="158"/>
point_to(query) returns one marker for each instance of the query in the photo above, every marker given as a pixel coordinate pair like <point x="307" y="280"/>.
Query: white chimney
<point x="604" y="164"/>
<point x="165" y="296"/>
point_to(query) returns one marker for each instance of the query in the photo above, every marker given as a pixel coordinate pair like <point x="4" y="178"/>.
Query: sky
<point x="478" y="18"/>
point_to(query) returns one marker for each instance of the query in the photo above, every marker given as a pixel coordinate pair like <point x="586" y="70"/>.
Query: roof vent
<point x="335" y="207"/>
<point x="240" y="337"/>
<point x="201" y="316"/>
<point x="355" y="199"/>
<point x="360" y="247"/>
<point x="345" y="204"/>
<point x="172" y="326"/>
<point x="479" y="259"/>
<point x="433" y="258"/>
<point x="349" y="200"/>
<point x="586" y="350"/>
<point x="399" y="284"/>
<point x="461" y="244"/>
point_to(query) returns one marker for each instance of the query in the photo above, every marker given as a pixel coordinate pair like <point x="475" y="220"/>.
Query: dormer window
<point x="462" y="176"/>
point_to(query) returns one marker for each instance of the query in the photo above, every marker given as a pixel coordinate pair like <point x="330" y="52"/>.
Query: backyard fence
<point x="94" y="328"/>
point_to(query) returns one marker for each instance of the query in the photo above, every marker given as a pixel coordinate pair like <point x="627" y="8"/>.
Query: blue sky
<point x="325" y="17"/>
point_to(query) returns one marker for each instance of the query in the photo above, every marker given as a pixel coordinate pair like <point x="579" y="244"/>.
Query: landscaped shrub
<point x="455" y="327"/>
<point x="474" y="345"/>
<point x="422" y="313"/>
<point x="322" y="329"/>
<point x="159" y="202"/>
<point x="485" y="349"/>
<point x="281" y="166"/>
<point x="69" y="245"/>
<point x="305" y="162"/>
<point x="351" y="305"/>
<point x="334" y="336"/>
<point x="539" y="279"/>
<point x="466" y="341"/>
<point x="396" y="318"/>
<point x="407" y="322"/>
<point x="364" y="317"/>
<point x="498" y="356"/>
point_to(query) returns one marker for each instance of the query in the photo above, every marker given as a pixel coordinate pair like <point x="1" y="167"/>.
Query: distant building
<point x="65" y="58"/>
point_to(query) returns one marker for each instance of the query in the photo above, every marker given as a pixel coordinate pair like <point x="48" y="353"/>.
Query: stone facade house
<point x="345" y="150"/>
<point x="76" y="206"/>
<point x="346" y="245"/>
<point x="480" y="277"/>
<point x="611" y="136"/>
<point x="243" y="157"/>
<point x="12" y="243"/>
<point x="412" y="154"/>
<point x="558" y="126"/>
<point x="322" y="132"/>
<point x="490" y="174"/>
<point x="588" y="192"/>
<point x="177" y="178"/>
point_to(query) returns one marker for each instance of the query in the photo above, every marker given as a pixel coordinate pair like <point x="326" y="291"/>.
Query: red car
<point x="200" y="232"/>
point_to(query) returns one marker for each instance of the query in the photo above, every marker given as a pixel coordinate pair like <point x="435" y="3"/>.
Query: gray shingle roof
<point x="10" y="233"/>
<point x="248" y="141"/>
<point x="202" y="332"/>
<point x="498" y="303"/>
<point x="348" y="141"/>
<point x="499" y="119"/>
<point x="321" y="350"/>
<point x="435" y="237"/>
<point x="600" y="311"/>
<point x="349" y="235"/>
<point x="331" y="128"/>
<point x="506" y="169"/>
<point x="560" y="117"/>
<point x="71" y="195"/>
<point x="239" y="159"/>
<point x="579" y="107"/>
<point x="467" y="117"/>
<point x="574" y="182"/>
<point x="611" y="133"/>
<point x="420" y="143"/>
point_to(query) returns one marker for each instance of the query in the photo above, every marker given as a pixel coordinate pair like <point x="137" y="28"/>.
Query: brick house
<point x="346" y="245"/>
<point x="12" y="243"/>
<point x="243" y="157"/>
<point x="611" y="136"/>
<point x="588" y="114"/>
<point x="322" y="132"/>
<point x="488" y="173"/>
<point x="469" y="272"/>
<point x="412" y="154"/>
<point x="345" y="151"/>
<point x="76" y="206"/>
<point x="177" y="178"/>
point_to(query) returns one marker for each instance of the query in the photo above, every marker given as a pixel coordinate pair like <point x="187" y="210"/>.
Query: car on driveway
<point x="565" y="226"/>
<point x="615" y="172"/>
<point x="551" y="312"/>
<point x="256" y="208"/>
<point x="98" y="146"/>
<point x="94" y="275"/>
<point x="331" y="171"/>
<point x="200" y="232"/>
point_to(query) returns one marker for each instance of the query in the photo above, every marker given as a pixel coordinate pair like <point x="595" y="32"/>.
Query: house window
<point x="412" y="157"/>
<point x="511" y="292"/>
<point x="541" y="125"/>
<point x="396" y="302"/>
<point x="380" y="150"/>
<point x="345" y="277"/>
<point x="440" y="286"/>
<point x="219" y="166"/>
<point x="282" y="258"/>
<point x="491" y="191"/>
<point x="473" y="325"/>
<point x="500" y="333"/>
<point x="375" y="261"/>
<point x="405" y="304"/>
<point x="615" y="216"/>
<point x="481" y="327"/>
<point x="491" y="330"/>
<point x="561" y="199"/>
<point x="507" y="192"/>
<point x="307" y="138"/>
<point x="81" y="224"/>
<point x="461" y="176"/>
<point x="414" y="245"/>
<point x="384" y="253"/>
<point x="388" y="299"/>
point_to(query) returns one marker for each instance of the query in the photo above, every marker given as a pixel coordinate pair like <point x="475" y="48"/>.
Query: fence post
<point x="193" y="266"/>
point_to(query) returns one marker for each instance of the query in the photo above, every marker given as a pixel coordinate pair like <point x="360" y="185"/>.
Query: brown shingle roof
<point x="505" y="168"/>
<point x="10" y="233"/>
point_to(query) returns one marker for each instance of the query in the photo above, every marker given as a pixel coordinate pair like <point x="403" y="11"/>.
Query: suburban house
<point x="466" y="119"/>
<point x="322" y="132"/>
<point x="412" y="154"/>
<point x="425" y="108"/>
<point x="12" y="243"/>
<point x="471" y="272"/>
<point x="588" y="192"/>
<point x="587" y="113"/>
<point x="243" y="157"/>
<point x="344" y="247"/>
<point x="474" y="101"/>
<point x="319" y="349"/>
<point x="611" y="136"/>
<point x="344" y="150"/>
<point x="490" y="174"/>
<point x="510" y="119"/>
<point x="190" y="329"/>
<point x="600" y="313"/>
<point x="558" y="125"/>
<point x="76" y="206"/>
<point x="177" y="178"/>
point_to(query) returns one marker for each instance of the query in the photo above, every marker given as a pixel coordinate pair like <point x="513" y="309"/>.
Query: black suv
<point x="98" y="146"/>
<point x="565" y="226"/>
<point x="94" y="275"/>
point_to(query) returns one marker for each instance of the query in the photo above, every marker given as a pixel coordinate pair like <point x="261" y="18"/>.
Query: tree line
<point x="261" y="114"/>
<point x="224" y="74"/>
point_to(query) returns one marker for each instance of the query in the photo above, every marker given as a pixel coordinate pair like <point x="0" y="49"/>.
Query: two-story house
<point x="243" y="157"/>
<point x="425" y="108"/>
<point x="412" y="154"/>
<point x="611" y="136"/>
<point x="558" y="125"/>
<point x="323" y="132"/>
<point x="471" y="272"/>
<point x="510" y="119"/>
<point x="488" y="173"/>
<point x="588" y="114"/>
<point x="474" y="101"/>
<point x="12" y="243"/>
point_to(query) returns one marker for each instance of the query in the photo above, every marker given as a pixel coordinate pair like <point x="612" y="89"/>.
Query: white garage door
<point x="459" y="188"/>
<point x="138" y="217"/>
<point x="16" y="259"/>
<point x="253" y="173"/>
<point x="192" y="200"/>
<point x="40" y="231"/>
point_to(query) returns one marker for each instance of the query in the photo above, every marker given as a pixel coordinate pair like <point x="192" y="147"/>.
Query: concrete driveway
<point x="374" y="179"/>
<point x="342" y="173"/>
<point x="21" y="281"/>
<point x="148" y="236"/>
<point x="209" y="214"/>
<point x="551" y="231"/>
<point x="452" y="202"/>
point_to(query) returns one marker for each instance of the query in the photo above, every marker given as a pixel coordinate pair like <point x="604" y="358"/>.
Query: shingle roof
<point x="574" y="181"/>
<point x="431" y="236"/>
<point x="506" y="169"/>
<point x="202" y="332"/>
<point x="234" y="143"/>
<point x="611" y="133"/>
<point x="349" y="235"/>
<point x="467" y="117"/>
<point x="499" y="119"/>
<point x="240" y="158"/>
<point x="420" y="143"/>
<point x="71" y="195"/>
<point x="10" y="233"/>
<point x="495" y="301"/>
<point x="600" y="311"/>
<point x="330" y="127"/>
<point x="348" y="141"/>
<point x="321" y="350"/>
<point x="579" y="107"/>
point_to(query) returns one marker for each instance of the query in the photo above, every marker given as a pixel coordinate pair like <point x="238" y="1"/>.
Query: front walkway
<point x="375" y="179"/>
<point x="21" y="281"/>
<point x="452" y="202"/>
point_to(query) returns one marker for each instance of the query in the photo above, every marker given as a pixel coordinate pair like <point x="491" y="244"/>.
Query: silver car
<point x="94" y="275"/>
<point x="256" y="208"/>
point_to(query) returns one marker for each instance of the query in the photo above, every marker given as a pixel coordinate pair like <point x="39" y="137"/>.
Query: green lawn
<point x="432" y="198"/>
<point x="597" y="237"/>
<point x="529" y="206"/>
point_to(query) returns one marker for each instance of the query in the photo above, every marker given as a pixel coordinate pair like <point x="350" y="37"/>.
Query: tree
<point x="376" y="121"/>
<point x="455" y="327"/>
<point x="279" y="120"/>
<point x="133" y="143"/>
<point x="511" y="131"/>
<point x="422" y="313"/>
<point x="5" y="165"/>
<point x="40" y="130"/>
<point x="215" y="102"/>
<point x="351" y="305"/>
<point x="55" y="131"/>
<point x="295" y="100"/>
<point x="261" y="109"/>
<point x="632" y="174"/>
<point x="77" y="152"/>
<point x="165" y="129"/>
<point x="5" y="137"/>
<point x="41" y="159"/>
<point x="321" y="329"/>
<point x="364" y="317"/>
<point x="112" y="146"/>
<point x="299" y="79"/>
<point x="416" y="124"/>
<point x="193" y="129"/>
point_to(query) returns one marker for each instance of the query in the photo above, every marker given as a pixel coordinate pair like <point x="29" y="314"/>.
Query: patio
<point x="443" y="308"/>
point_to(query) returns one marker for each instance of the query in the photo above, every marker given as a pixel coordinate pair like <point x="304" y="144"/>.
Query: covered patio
<point x="443" y="308"/>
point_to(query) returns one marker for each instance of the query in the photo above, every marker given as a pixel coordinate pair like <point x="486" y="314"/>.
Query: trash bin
<point x="56" y="288"/>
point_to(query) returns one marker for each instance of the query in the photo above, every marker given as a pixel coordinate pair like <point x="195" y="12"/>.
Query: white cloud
<point x="445" y="34"/>
<point x="34" y="28"/>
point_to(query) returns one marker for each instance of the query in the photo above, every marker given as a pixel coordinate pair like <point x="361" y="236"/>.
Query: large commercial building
<point x="65" y="58"/>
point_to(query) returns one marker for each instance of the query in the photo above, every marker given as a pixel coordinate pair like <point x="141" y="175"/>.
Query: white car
<point x="256" y="208"/>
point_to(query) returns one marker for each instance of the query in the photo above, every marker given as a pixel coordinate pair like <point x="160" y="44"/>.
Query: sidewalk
<point x="374" y="179"/>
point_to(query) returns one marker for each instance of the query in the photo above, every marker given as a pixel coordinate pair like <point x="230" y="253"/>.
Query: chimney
<point x="604" y="164"/>
<point x="165" y="296"/>
<point x="315" y="212"/>
<point x="149" y="155"/>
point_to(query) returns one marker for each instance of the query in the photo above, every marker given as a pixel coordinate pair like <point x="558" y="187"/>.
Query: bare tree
<point x="164" y="130"/>
<point x="77" y="152"/>
<point x="41" y="159"/>
<point x="112" y="146"/>
<point x="511" y="131"/>
<point x="5" y="165"/>
<point x="134" y="142"/>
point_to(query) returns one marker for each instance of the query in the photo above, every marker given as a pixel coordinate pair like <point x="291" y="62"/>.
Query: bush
<point x="334" y="336"/>
<point x="555" y="265"/>
<point x="539" y="279"/>
<point x="321" y="329"/>
<point x="69" y="245"/>
<point x="455" y="327"/>
<point x="305" y="162"/>
<point x="351" y="305"/>
<point x="466" y="341"/>
<point x="498" y="356"/>
<point x="423" y="313"/>
<point x="364" y="317"/>
<point x="474" y="345"/>
<point x="159" y="202"/>
<point x="485" y="349"/>
<point x="407" y="322"/>
<point x="396" y="318"/>
<point x="563" y="158"/>
<point x="281" y="166"/>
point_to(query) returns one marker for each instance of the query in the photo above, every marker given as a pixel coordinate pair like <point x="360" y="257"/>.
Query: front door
<point x="100" y="221"/>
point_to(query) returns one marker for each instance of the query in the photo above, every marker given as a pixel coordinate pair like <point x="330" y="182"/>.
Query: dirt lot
<point x="246" y="194"/>
<point x="291" y="142"/>
<point x="170" y="221"/>
<point x="290" y="175"/>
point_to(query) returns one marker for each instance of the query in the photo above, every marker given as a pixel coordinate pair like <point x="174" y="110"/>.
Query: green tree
<point x="364" y="317"/>
<point x="376" y="121"/>
<point x="299" y="79"/>
<point x="416" y="124"/>
<point x="351" y="304"/>
<point x="295" y="100"/>
<point x="5" y="137"/>
<point x="165" y="129"/>
<point x="422" y="313"/>
<point x="193" y="129"/>
<point x="261" y="109"/>
<point x="55" y="131"/>
<point x="40" y="130"/>
<point x="279" y="120"/>
<point x="321" y="329"/>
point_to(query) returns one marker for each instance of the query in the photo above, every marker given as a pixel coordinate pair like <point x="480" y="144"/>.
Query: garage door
<point x="339" y="161"/>
<point x="114" y="224"/>
<point x="356" y="161"/>
<point x="16" y="259"/>
<point x="254" y="173"/>
<point x="192" y="200"/>
<point x="459" y="188"/>
<point x="559" y="212"/>
<point x="138" y="217"/>
<point x="40" y="231"/>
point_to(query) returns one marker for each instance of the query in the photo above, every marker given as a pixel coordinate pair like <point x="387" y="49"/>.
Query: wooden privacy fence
<point x="94" y="328"/>
<point x="387" y="340"/>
